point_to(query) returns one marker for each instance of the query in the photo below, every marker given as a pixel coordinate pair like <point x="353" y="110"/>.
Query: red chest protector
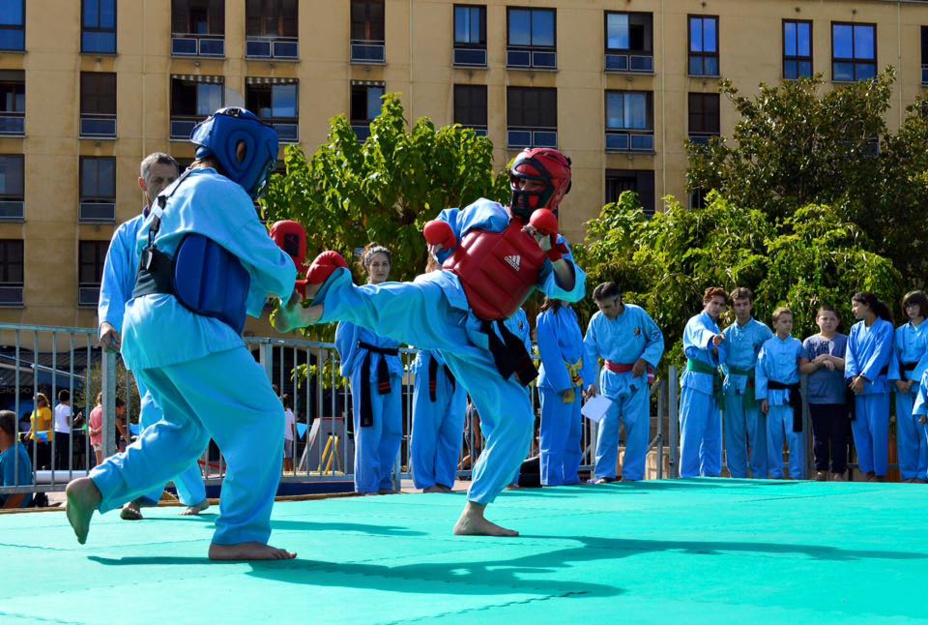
<point x="498" y="270"/>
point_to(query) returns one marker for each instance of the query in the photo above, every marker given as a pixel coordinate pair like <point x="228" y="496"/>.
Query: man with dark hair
<point x="629" y="342"/>
<point x="63" y="416"/>
<point x="700" y="418"/>
<point x="745" y="425"/>
<point x="15" y="466"/>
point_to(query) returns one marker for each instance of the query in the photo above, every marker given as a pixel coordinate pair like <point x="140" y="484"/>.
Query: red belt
<point x="618" y="368"/>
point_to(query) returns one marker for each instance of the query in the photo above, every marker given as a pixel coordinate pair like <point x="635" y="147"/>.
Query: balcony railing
<point x="632" y="63"/>
<point x="12" y="210"/>
<point x="288" y="131"/>
<point x="925" y="74"/>
<point x="12" y="124"/>
<point x="480" y="131"/>
<point x="283" y="48"/>
<point x="702" y="138"/>
<point x="520" y="58"/>
<point x="470" y="57"/>
<point x="368" y="52"/>
<point x="11" y="296"/>
<point x="629" y="141"/>
<point x="88" y="295"/>
<point x="182" y="126"/>
<point x="362" y="130"/>
<point x="518" y="138"/>
<point x="96" y="212"/>
<point x="188" y="44"/>
<point x="95" y="126"/>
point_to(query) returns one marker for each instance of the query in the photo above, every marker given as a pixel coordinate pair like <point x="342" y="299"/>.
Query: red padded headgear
<point x="545" y="165"/>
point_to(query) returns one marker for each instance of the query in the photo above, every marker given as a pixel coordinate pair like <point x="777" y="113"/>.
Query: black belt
<point x="509" y="353"/>
<point x="383" y="379"/>
<point x="433" y="378"/>
<point x="795" y="400"/>
<point x="908" y="367"/>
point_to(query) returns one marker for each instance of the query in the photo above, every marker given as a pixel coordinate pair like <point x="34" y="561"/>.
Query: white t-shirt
<point x="289" y="424"/>
<point x="63" y="418"/>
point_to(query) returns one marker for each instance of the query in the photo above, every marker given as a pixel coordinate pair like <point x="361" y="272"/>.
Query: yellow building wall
<point x="419" y="40"/>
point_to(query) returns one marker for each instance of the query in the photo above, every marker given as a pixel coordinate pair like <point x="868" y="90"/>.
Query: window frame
<point x="5" y="262"/>
<point x="797" y="59"/>
<point x="647" y="197"/>
<point x="702" y="55"/>
<point x="14" y="28"/>
<point x="703" y="97"/>
<point x="99" y="30"/>
<point x="457" y="112"/>
<point x="83" y="193"/>
<point x="854" y="61"/>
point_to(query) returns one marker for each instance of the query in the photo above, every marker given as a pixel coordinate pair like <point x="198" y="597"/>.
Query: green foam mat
<point x="688" y="551"/>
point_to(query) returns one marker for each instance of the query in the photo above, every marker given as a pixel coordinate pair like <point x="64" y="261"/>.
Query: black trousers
<point x="829" y="436"/>
<point x="62" y="450"/>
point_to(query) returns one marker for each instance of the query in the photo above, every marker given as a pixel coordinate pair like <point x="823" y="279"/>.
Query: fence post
<point x="660" y="433"/>
<point x="673" y="405"/>
<point x="109" y="402"/>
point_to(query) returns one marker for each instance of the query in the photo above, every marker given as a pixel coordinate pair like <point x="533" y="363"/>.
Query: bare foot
<point x="247" y="552"/>
<point x="473" y="523"/>
<point x="83" y="499"/>
<point x="196" y="509"/>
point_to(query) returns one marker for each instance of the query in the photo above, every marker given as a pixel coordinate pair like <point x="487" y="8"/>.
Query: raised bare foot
<point x="83" y="499"/>
<point x="244" y="552"/>
<point x="196" y="509"/>
<point x="474" y="523"/>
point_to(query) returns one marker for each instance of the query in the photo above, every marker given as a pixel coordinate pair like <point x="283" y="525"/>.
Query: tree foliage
<point x="795" y="145"/>
<point x="665" y="263"/>
<point x="348" y="194"/>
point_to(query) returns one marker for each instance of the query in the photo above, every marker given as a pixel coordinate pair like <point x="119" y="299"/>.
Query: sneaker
<point x="821" y="476"/>
<point x="838" y="477"/>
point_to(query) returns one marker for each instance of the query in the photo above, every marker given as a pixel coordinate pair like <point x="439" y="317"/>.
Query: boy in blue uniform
<point x="493" y="258"/>
<point x="15" y="466"/>
<point x="206" y="379"/>
<point x="777" y="377"/>
<point x="744" y="425"/>
<point x="906" y="368"/>
<point x="629" y="342"/>
<point x="157" y="171"/>
<point x="565" y="373"/>
<point x="700" y="416"/>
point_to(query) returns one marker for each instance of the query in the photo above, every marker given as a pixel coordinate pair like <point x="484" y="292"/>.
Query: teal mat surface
<point x="690" y="551"/>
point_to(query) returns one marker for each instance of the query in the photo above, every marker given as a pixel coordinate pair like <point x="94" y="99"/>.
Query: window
<point x="629" y="42"/>
<point x="797" y="49"/>
<point x="90" y="271"/>
<point x="639" y="181"/>
<point x="698" y="198"/>
<point x="276" y="102"/>
<point x="365" y="107"/>
<point x="704" y="46"/>
<point x="12" y="187"/>
<point x="98" y="189"/>
<point x="98" y="27"/>
<point x="271" y="29"/>
<point x="532" y="38"/>
<point x="11" y="272"/>
<point x="470" y="107"/>
<point x="98" y="105"/>
<point x="13" y="25"/>
<point x="532" y="117"/>
<point x="193" y="99"/>
<point x="703" y="117"/>
<point x="853" y="52"/>
<point x="470" y="35"/>
<point x="367" y="32"/>
<point x="629" y="121"/>
<point x="198" y="28"/>
<point x="925" y="55"/>
<point x="12" y="103"/>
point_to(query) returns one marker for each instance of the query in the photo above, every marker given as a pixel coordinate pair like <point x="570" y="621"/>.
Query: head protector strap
<point x="245" y="147"/>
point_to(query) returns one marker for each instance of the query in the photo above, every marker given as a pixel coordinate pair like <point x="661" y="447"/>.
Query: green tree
<point x="348" y="194"/>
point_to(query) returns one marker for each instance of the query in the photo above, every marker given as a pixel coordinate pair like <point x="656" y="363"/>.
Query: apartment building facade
<point x="89" y="87"/>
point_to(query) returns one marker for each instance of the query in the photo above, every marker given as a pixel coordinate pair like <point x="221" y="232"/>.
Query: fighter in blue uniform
<point x="564" y="374"/>
<point x="629" y="342"/>
<point x="157" y="171"/>
<point x="492" y="260"/>
<point x="205" y="247"/>
<point x="906" y="368"/>
<point x="373" y="365"/>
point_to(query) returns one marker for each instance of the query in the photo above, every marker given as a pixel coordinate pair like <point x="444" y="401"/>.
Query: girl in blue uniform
<point x="869" y="351"/>
<point x="564" y="374"/>
<point x="373" y="366"/>
<point x="905" y="370"/>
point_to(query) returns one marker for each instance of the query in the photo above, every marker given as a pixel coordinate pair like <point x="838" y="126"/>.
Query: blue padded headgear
<point x="221" y="134"/>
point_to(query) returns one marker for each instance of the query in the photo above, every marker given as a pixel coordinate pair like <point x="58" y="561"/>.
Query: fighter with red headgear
<point x="492" y="257"/>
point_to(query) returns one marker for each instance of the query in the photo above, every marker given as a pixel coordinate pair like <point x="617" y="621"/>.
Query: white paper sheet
<point x="595" y="408"/>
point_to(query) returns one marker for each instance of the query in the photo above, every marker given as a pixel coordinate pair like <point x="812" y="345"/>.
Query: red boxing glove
<point x="290" y="236"/>
<point x="544" y="221"/>
<point x="324" y="266"/>
<point x="438" y="232"/>
<point x="554" y="254"/>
